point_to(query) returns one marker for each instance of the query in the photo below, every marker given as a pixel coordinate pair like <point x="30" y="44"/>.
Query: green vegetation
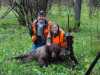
<point x="15" y="40"/>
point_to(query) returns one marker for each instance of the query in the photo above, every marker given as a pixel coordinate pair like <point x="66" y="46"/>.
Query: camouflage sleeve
<point x="34" y="27"/>
<point x="63" y="40"/>
<point x="34" y="31"/>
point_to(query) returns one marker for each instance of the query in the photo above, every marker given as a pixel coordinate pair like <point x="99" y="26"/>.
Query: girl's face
<point x="54" y="29"/>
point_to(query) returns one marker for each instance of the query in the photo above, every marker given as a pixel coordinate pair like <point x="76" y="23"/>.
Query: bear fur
<point x="48" y="54"/>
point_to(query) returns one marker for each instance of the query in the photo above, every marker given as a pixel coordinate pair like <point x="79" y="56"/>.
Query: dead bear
<point x="46" y="55"/>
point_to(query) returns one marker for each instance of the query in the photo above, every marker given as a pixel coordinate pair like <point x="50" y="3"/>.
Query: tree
<point x="0" y="3"/>
<point x="93" y="5"/>
<point x="77" y="8"/>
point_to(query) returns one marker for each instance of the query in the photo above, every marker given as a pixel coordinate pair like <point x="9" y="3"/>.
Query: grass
<point x="15" y="40"/>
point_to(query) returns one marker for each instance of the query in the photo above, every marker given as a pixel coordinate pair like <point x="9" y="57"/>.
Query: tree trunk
<point x="91" y="5"/>
<point x="77" y="9"/>
<point x="0" y="3"/>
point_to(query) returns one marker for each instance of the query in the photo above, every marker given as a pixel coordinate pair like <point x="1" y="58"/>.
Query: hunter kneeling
<point x="57" y="36"/>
